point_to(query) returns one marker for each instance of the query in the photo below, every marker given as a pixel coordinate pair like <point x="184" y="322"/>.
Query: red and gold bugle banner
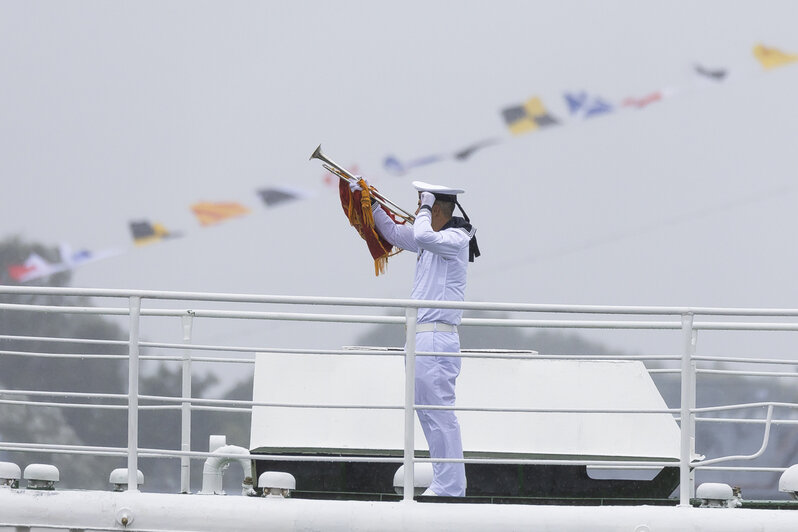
<point x="357" y="208"/>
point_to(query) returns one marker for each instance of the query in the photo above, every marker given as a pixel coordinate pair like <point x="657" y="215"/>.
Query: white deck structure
<point x="616" y="388"/>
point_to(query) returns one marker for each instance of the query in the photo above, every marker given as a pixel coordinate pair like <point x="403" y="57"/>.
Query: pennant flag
<point x="529" y="116"/>
<point x="773" y="58"/>
<point x="583" y="105"/>
<point x="272" y="196"/>
<point x="35" y="266"/>
<point x="212" y="213"/>
<point x="713" y="74"/>
<point x="393" y="165"/>
<point x="396" y="167"/>
<point x="146" y="233"/>
<point x="642" y="101"/>
<point x="71" y="259"/>
<point x="468" y="151"/>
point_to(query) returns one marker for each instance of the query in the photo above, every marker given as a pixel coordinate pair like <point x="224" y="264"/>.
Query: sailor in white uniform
<point x="445" y="244"/>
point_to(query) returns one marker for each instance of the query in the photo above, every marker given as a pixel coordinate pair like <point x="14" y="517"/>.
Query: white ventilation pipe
<point x="215" y="466"/>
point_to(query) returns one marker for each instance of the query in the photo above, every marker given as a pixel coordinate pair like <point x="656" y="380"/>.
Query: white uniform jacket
<point x="441" y="265"/>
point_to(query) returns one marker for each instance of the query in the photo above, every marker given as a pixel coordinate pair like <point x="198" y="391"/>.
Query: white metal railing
<point x="668" y="318"/>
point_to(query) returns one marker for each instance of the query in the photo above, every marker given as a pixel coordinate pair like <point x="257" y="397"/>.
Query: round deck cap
<point x="41" y="472"/>
<point x="9" y="471"/>
<point x="789" y="480"/>
<point x="277" y="479"/>
<point x="119" y="476"/>
<point x="714" y="491"/>
<point x="422" y="476"/>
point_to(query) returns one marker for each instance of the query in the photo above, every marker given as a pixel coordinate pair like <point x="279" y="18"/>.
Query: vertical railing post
<point x="133" y="395"/>
<point x="410" y="401"/>
<point x="687" y="404"/>
<point x="693" y="374"/>
<point x="185" y="409"/>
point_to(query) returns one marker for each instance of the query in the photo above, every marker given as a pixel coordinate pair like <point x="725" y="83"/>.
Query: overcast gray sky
<point x="113" y="111"/>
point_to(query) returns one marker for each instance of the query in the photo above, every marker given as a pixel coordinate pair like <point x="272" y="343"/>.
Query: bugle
<point x="335" y="168"/>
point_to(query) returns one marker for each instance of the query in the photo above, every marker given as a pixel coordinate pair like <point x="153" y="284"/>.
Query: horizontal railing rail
<point x="395" y="303"/>
<point x="166" y="453"/>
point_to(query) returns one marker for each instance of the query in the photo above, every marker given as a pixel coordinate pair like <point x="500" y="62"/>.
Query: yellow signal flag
<point x="159" y="232"/>
<point x="534" y="107"/>
<point x="529" y="116"/>
<point x="773" y="58"/>
<point x="523" y="125"/>
<point x="209" y="213"/>
<point x="145" y="232"/>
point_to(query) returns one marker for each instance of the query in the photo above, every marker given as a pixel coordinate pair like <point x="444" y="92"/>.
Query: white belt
<point x="437" y="326"/>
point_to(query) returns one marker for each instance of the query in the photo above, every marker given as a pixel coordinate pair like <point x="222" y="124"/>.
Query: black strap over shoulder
<point x="464" y="224"/>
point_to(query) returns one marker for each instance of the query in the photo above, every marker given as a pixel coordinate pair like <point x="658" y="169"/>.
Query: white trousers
<point x="435" y="379"/>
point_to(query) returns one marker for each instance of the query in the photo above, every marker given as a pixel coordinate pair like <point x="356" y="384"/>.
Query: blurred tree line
<point x="161" y="428"/>
<point x="84" y="426"/>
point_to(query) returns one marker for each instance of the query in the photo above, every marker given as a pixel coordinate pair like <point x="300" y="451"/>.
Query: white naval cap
<point x="421" y="186"/>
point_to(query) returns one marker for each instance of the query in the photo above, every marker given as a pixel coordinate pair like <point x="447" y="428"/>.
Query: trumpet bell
<point x="317" y="154"/>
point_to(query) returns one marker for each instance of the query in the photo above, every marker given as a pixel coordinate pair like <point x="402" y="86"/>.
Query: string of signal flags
<point x="522" y="118"/>
<point x="144" y="232"/>
<point x="533" y="115"/>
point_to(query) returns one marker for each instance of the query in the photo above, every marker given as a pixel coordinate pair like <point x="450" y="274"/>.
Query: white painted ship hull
<point x="93" y="510"/>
